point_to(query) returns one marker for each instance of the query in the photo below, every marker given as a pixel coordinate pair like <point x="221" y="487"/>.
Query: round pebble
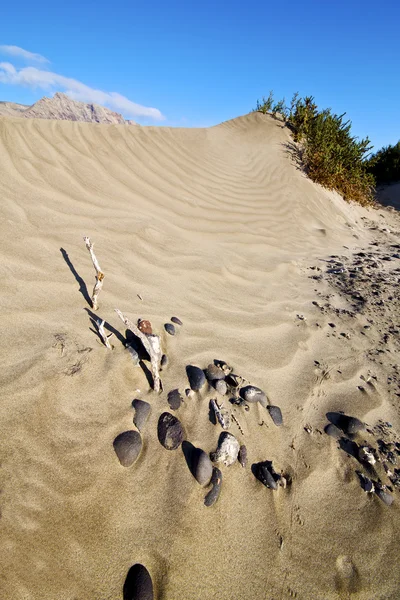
<point x="350" y="425"/>
<point x="145" y="326"/>
<point x="196" y="377"/>
<point x="138" y="584"/>
<point x="127" y="446"/>
<point x="176" y="321"/>
<point x="333" y="431"/>
<point x="242" y="456"/>
<point x="275" y="414"/>
<point x="213" y="372"/>
<point x="142" y="411"/>
<point x="174" y="399"/>
<point x="170" y="431"/>
<point x="227" y="451"/>
<point x="169" y="328"/>
<point x="202" y="467"/>
<point x="216" y="482"/>
<point x="220" y="386"/>
<point x="385" y="496"/>
<point x="250" y="393"/>
<point x="164" y="360"/>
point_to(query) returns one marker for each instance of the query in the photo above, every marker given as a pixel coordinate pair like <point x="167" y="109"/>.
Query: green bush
<point x="385" y="164"/>
<point x="331" y="156"/>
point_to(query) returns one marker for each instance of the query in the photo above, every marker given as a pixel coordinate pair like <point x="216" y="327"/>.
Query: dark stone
<point x="170" y="432"/>
<point x="349" y="425"/>
<point x="365" y="482"/>
<point x="164" y="360"/>
<point x="242" y="456"/>
<point x="203" y="467"/>
<point x="265" y="473"/>
<point x="127" y="446"/>
<point x="250" y="393"/>
<point x="216" y="482"/>
<point x="142" y="411"/>
<point x="220" y="386"/>
<point x="213" y="372"/>
<point x="176" y="321"/>
<point x="333" y="431"/>
<point x="233" y="380"/>
<point x="174" y="399"/>
<point x="275" y="414"/>
<point x="196" y="377"/>
<point x="138" y="584"/>
<point x="384" y="495"/>
<point x="145" y="326"/>
<point x="169" y="328"/>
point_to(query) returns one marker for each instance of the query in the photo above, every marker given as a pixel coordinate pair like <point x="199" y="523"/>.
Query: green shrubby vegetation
<point x="385" y="164"/>
<point x="330" y="155"/>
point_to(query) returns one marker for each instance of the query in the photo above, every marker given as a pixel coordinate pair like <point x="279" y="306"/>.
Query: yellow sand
<point x="216" y="226"/>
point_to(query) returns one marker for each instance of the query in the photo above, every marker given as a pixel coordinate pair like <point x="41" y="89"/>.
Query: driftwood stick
<point x="99" y="273"/>
<point x="151" y="344"/>
<point x="102" y="333"/>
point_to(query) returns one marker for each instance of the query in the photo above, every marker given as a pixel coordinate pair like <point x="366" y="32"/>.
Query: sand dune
<point x="218" y="227"/>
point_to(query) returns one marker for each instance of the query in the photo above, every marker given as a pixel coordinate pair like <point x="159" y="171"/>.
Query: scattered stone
<point x="216" y="482"/>
<point x="383" y="494"/>
<point x="225" y="367"/>
<point x="169" y="328"/>
<point x="227" y="451"/>
<point x="176" y="321"/>
<point x="142" y="411"/>
<point x="145" y="326"/>
<point x="234" y="380"/>
<point x="170" y="431"/>
<point x="174" y="399"/>
<point x="333" y="431"/>
<point x="164" y="360"/>
<point x="189" y="393"/>
<point x="134" y="354"/>
<point x="196" y="377"/>
<point x="138" y="584"/>
<point x="220" y="386"/>
<point x="365" y="482"/>
<point x="213" y="372"/>
<point x="250" y="393"/>
<point x="350" y="425"/>
<point x="265" y="473"/>
<point x="202" y="467"/>
<point x="222" y="415"/>
<point x="275" y="414"/>
<point x="127" y="446"/>
<point x="242" y="456"/>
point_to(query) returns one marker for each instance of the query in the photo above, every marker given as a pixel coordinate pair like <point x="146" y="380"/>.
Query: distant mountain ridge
<point x="62" y="108"/>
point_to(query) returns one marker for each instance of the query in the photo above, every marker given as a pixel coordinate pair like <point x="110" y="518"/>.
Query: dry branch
<point x="151" y="344"/>
<point x="102" y="333"/>
<point x="99" y="273"/>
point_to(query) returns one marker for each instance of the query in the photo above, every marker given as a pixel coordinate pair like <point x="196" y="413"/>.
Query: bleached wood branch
<point x="151" y="344"/>
<point x="102" y="333"/>
<point x="99" y="273"/>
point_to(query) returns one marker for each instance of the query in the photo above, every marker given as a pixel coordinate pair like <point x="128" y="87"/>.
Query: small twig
<point x="151" y="344"/>
<point x="102" y="333"/>
<point x="99" y="273"/>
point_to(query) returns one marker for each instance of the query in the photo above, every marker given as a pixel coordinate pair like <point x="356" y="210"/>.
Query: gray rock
<point x="138" y="584"/>
<point x="220" y="386"/>
<point x="202" y="467"/>
<point x="384" y="495"/>
<point x="242" y="456"/>
<point x="250" y="393"/>
<point x="196" y="377"/>
<point x="213" y="372"/>
<point x="174" y="399"/>
<point x="333" y="431"/>
<point x="227" y="451"/>
<point x="216" y="482"/>
<point x="142" y="411"/>
<point x="169" y="328"/>
<point x="170" y="431"/>
<point x="275" y="414"/>
<point x="176" y="321"/>
<point x="265" y="473"/>
<point x="350" y="425"/>
<point x="127" y="446"/>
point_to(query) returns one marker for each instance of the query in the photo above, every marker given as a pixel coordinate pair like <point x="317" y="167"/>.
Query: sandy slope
<point x="218" y="227"/>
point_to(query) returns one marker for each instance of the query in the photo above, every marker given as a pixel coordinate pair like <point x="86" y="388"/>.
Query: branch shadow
<point x="295" y="152"/>
<point x="82" y="285"/>
<point x="94" y="318"/>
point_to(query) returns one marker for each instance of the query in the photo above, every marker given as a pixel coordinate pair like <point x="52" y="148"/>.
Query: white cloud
<point x="21" y="53"/>
<point x="46" y="80"/>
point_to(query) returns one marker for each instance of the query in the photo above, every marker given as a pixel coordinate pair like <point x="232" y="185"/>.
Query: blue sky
<point x="197" y="64"/>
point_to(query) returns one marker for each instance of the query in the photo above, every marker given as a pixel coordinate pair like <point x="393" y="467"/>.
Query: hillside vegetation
<point x="329" y="153"/>
<point x="385" y="165"/>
